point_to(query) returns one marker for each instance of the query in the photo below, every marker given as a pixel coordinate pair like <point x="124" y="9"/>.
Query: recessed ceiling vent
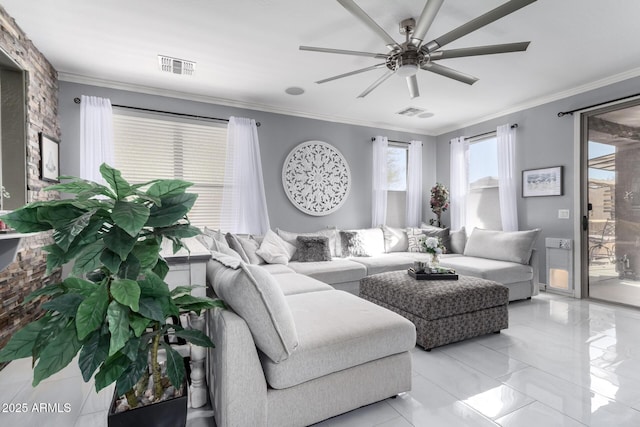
<point x="176" y="66"/>
<point x="411" y="111"/>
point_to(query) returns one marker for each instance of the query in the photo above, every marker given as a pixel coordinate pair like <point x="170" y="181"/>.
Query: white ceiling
<point x="247" y="53"/>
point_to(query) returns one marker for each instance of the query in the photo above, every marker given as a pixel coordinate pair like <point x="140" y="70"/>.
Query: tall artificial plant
<point x="113" y="307"/>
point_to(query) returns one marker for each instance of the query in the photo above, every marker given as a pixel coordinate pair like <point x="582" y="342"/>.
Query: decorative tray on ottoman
<point x="439" y="274"/>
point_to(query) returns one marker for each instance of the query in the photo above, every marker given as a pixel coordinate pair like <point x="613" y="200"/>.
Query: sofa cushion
<point x="331" y="233"/>
<point x="337" y="331"/>
<point x="313" y="248"/>
<point x="254" y="295"/>
<point x="277" y="268"/>
<point x="395" y="239"/>
<point x="504" y="272"/>
<point x="458" y="240"/>
<point x="514" y="246"/>
<point x="275" y="250"/>
<point x="336" y="271"/>
<point x="294" y="283"/>
<point x="385" y="262"/>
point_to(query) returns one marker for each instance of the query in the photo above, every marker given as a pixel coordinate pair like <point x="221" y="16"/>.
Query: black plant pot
<point x="168" y="413"/>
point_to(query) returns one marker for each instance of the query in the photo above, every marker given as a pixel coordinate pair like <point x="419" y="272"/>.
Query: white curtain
<point x="414" y="185"/>
<point x="96" y="136"/>
<point x="506" y="138"/>
<point x="379" y="181"/>
<point x="244" y="205"/>
<point x="459" y="182"/>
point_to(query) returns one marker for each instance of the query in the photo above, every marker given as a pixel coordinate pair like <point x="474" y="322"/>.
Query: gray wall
<point x="543" y="140"/>
<point x="278" y="135"/>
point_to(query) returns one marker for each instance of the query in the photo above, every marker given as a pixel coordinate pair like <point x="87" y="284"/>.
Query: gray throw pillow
<point x="313" y="248"/>
<point x="234" y="243"/>
<point x="353" y="244"/>
<point x="442" y="233"/>
<point x="250" y="245"/>
<point x="513" y="246"/>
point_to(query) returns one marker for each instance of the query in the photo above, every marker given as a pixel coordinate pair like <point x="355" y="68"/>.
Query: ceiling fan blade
<point x="479" y="22"/>
<point x="344" y="52"/>
<point x="480" y="50"/>
<point x="412" y="83"/>
<point x="355" y="10"/>
<point x="424" y="22"/>
<point x="449" y="72"/>
<point x="377" y="83"/>
<point x="351" y="73"/>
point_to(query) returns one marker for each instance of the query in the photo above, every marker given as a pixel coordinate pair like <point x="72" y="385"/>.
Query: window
<point x="150" y="146"/>
<point x="483" y="200"/>
<point x="396" y="168"/>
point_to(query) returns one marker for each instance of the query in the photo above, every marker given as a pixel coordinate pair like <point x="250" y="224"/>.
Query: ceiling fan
<point x="415" y="54"/>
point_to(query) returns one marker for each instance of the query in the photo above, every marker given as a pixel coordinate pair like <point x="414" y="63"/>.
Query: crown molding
<point x="81" y="79"/>
<point x="616" y="78"/>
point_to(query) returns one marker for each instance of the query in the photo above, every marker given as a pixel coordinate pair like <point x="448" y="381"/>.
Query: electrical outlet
<point x="565" y="244"/>
<point x="563" y="213"/>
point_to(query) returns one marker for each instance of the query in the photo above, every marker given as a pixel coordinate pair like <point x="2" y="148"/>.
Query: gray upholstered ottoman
<point x="444" y="311"/>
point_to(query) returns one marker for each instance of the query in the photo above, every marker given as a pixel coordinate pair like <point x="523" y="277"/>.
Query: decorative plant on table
<point x="116" y="315"/>
<point x="439" y="202"/>
<point x="433" y="246"/>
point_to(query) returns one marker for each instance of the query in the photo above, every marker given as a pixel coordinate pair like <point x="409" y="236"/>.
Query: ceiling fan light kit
<point x="408" y="58"/>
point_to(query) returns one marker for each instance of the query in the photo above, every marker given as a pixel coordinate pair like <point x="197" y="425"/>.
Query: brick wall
<point x="27" y="272"/>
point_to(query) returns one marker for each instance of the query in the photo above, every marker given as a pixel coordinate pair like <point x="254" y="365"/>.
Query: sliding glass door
<point x="612" y="152"/>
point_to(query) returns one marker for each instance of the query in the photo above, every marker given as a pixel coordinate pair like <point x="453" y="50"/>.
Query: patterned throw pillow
<point x="415" y="237"/>
<point x="313" y="248"/>
<point x="353" y="244"/>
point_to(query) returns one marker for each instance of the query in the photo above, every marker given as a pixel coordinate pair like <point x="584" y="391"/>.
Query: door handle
<point x="585" y="223"/>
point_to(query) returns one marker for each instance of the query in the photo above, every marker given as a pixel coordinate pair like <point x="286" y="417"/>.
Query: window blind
<point x="150" y="146"/>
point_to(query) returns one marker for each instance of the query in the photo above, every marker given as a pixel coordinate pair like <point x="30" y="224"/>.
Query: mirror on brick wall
<point x="13" y="173"/>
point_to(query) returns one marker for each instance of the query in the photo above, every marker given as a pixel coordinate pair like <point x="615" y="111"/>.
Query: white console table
<point x="188" y="268"/>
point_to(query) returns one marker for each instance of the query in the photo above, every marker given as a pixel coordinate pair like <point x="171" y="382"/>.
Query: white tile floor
<point x="562" y="362"/>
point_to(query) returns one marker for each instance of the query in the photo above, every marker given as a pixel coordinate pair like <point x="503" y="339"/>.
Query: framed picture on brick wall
<point x="49" y="158"/>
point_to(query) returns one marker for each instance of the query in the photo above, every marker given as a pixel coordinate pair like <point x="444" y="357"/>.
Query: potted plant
<point x="113" y="307"/>
<point x="439" y="202"/>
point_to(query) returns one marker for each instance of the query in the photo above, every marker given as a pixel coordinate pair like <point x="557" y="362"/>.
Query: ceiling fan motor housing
<point x="410" y="57"/>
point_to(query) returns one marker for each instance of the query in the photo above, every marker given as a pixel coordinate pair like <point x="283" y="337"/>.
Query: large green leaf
<point x="181" y="231"/>
<point x="172" y="210"/>
<point x="126" y="292"/>
<point x="119" y="241"/>
<point x="25" y="220"/>
<point x="168" y="307"/>
<point x="147" y="251"/>
<point x="168" y="187"/>
<point x="79" y="286"/>
<point x="66" y="233"/>
<point x="58" y="353"/>
<point x="195" y="337"/>
<point x="138" y="323"/>
<point x="88" y="259"/>
<point x="130" y="216"/>
<point x="130" y="268"/>
<point x="54" y="289"/>
<point x="191" y="303"/>
<point x="132" y="374"/>
<point x="49" y="331"/>
<point x="92" y="312"/>
<point x="111" y="370"/>
<point x="175" y="365"/>
<point x="80" y="186"/>
<point x="114" y="178"/>
<point x="153" y="286"/>
<point x="132" y="347"/>
<point x="93" y="353"/>
<point x="111" y="260"/>
<point x="151" y="309"/>
<point x="118" y="318"/>
<point x="59" y="216"/>
<point x="21" y="343"/>
<point x="67" y="304"/>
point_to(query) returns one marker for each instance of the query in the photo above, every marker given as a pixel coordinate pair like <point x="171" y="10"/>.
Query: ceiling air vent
<point x="411" y="111"/>
<point x="176" y="66"/>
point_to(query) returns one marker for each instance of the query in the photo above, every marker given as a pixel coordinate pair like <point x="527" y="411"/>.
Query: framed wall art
<point x="542" y="182"/>
<point x="49" y="158"/>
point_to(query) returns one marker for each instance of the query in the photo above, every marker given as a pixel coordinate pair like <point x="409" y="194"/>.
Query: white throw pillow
<point x="395" y="239"/>
<point x="274" y="250"/>
<point x="250" y="246"/>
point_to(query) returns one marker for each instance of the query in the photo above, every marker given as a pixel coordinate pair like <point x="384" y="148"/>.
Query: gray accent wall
<point x="543" y="140"/>
<point x="278" y="135"/>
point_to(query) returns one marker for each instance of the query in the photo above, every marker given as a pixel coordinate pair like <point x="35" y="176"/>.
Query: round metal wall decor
<point x="316" y="178"/>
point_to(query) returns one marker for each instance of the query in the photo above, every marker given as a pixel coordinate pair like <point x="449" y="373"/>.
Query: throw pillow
<point x="458" y="240"/>
<point x="415" y="236"/>
<point x="255" y="296"/>
<point x="395" y="239"/>
<point x="514" y="246"/>
<point x="331" y="233"/>
<point x="250" y="245"/>
<point x="235" y="244"/>
<point x="442" y="233"/>
<point x="215" y="239"/>
<point x="275" y="250"/>
<point x="353" y="244"/>
<point x="313" y="248"/>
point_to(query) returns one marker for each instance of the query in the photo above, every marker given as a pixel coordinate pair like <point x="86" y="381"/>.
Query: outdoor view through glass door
<point x="613" y="252"/>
